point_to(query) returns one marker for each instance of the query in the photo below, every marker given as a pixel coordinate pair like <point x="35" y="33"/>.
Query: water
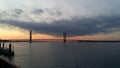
<point x="69" y="55"/>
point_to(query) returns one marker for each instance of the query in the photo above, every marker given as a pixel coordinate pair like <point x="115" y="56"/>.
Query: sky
<point x="48" y="19"/>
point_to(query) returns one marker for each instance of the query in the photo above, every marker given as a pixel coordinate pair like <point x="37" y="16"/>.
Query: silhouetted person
<point x="30" y="36"/>
<point x="3" y="44"/>
<point x="0" y="44"/>
<point x="64" y="37"/>
<point x="10" y="47"/>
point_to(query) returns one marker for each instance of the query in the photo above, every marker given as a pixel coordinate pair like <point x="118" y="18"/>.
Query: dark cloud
<point x="56" y="12"/>
<point x="38" y="11"/>
<point x="49" y="11"/>
<point x="18" y="11"/>
<point x="11" y="13"/>
<point x="74" y="27"/>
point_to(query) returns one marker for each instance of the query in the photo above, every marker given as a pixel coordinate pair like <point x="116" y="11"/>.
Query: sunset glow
<point x="81" y="20"/>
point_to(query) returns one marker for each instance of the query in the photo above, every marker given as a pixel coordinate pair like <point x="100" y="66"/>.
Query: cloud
<point x="74" y="27"/>
<point x="18" y="11"/>
<point x="85" y="7"/>
<point x="53" y="17"/>
<point x="35" y="15"/>
<point x="38" y="11"/>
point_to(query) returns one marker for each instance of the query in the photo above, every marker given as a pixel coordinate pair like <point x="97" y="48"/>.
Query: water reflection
<point x="66" y="55"/>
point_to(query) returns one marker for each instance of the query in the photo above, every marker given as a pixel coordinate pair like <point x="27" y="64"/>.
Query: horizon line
<point x="57" y="40"/>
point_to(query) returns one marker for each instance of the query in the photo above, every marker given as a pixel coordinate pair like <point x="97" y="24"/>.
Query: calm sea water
<point x="69" y="55"/>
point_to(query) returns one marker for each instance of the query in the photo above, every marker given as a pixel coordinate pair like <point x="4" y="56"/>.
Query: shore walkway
<point x="6" y="64"/>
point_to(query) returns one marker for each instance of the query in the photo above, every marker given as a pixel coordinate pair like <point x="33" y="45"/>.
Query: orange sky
<point x="19" y="34"/>
<point x="16" y="33"/>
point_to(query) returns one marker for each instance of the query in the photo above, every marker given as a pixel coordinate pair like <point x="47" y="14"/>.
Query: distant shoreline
<point x="96" y="41"/>
<point x="56" y="40"/>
